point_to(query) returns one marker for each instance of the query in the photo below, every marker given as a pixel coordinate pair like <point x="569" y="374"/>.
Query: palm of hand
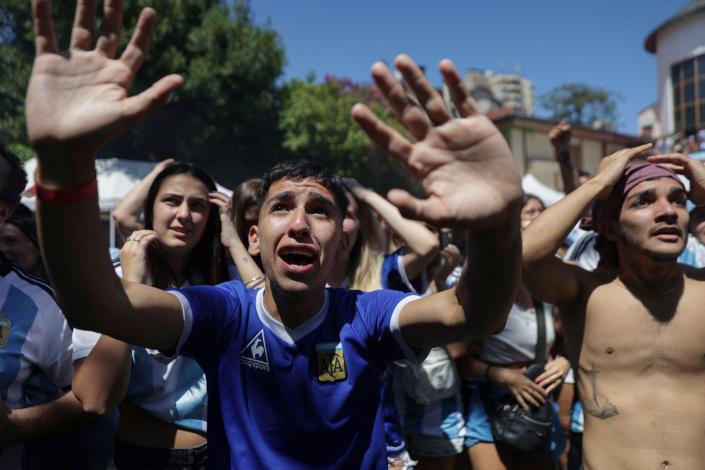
<point x="467" y="170"/>
<point x="76" y="99"/>
<point x="463" y="163"/>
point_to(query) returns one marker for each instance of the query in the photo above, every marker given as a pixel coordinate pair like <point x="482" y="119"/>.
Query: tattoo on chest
<point x="598" y="405"/>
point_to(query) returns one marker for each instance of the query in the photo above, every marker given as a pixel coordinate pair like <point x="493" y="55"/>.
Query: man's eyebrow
<point x="642" y="193"/>
<point x="678" y="189"/>
<point x="281" y="197"/>
<point x="320" y="198"/>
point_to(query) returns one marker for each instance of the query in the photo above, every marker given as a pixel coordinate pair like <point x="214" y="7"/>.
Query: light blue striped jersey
<point x="35" y="347"/>
<point x="693" y="254"/>
<point x="174" y="392"/>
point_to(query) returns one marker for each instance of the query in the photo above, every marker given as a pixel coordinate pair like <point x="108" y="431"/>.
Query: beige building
<point x="679" y="45"/>
<point x="493" y="91"/>
<point x="528" y="139"/>
<point x="649" y="124"/>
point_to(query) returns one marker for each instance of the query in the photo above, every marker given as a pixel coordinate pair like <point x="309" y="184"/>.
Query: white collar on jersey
<point x="286" y="334"/>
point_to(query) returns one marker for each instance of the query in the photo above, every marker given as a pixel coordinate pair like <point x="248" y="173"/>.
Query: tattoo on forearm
<point x="600" y="407"/>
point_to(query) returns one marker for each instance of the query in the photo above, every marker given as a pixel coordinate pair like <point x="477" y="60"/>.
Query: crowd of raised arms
<point x="308" y="322"/>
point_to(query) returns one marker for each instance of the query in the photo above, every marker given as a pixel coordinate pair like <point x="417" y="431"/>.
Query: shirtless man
<point x="634" y="327"/>
<point x="293" y="369"/>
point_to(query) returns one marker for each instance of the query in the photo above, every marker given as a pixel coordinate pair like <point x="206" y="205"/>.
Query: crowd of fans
<point x="308" y="322"/>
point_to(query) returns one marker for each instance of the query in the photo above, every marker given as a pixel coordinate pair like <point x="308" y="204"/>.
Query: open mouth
<point x="297" y="257"/>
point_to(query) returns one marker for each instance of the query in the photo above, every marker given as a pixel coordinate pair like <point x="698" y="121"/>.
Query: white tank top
<point x="517" y="341"/>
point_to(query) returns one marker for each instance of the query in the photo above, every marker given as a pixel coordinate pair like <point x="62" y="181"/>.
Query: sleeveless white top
<point x="517" y="342"/>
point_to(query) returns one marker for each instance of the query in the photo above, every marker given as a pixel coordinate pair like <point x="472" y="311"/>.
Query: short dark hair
<point x="299" y="170"/>
<point x="16" y="179"/>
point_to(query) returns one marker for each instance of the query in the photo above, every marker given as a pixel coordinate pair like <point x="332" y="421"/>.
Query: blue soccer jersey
<point x="293" y="398"/>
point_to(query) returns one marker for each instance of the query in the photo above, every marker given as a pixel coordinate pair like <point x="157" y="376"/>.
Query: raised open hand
<point x="77" y="100"/>
<point x="464" y="164"/>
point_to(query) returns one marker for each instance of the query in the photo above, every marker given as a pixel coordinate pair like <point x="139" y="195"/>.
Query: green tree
<point x="16" y="56"/>
<point x="581" y="104"/>
<point x="223" y="118"/>
<point x="316" y="124"/>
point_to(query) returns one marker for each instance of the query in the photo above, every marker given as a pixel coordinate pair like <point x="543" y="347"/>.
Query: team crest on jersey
<point x="255" y="353"/>
<point x="331" y="362"/>
<point x="5" y="325"/>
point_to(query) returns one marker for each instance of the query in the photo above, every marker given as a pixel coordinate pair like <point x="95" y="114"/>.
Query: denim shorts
<point x="133" y="457"/>
<point x="479" y="428"/>
<point x="421" y="445"/>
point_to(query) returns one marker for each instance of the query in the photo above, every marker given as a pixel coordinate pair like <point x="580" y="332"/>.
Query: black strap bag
<point x="511" y="425"/>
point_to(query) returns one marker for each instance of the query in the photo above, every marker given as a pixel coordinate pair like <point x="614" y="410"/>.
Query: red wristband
<point x="67" y="196"/>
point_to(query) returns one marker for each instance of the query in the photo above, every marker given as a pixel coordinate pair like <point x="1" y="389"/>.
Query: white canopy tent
<point x="116" y="177"/>
<point x="531" y="185"/>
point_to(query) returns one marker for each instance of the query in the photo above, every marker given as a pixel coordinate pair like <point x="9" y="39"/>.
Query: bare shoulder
<point x="587" y="282"/>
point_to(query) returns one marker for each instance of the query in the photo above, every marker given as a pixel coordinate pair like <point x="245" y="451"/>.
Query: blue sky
<point x="599" y="42"/>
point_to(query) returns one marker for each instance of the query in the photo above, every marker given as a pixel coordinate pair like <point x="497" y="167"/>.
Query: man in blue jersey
<point x="293" y="369"/>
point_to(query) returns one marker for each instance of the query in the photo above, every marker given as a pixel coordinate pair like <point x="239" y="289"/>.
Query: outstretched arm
<point x="547" y="277"/>
<point x="77" y="101"/>
<point x="100" y="380"/>
<point x="421" y="245"/>
<point x="467" y="170"/>
<point x="127" y="213"/>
